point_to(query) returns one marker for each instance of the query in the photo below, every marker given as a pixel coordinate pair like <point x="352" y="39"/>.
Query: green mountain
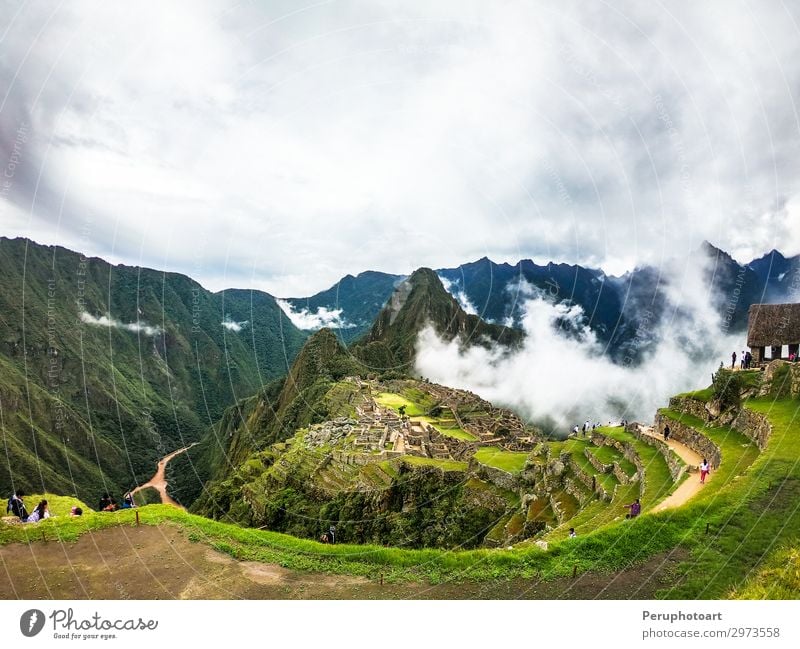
<point x="359" y="299"/>
<point x="106" y="368"/>
<point x="417" y="302"/>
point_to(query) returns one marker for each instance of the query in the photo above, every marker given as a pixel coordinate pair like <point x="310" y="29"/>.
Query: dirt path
<point x="159" y="480"/>
<point x="689" y="487"/>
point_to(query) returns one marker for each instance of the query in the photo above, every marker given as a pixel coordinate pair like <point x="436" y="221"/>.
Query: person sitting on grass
<point x="635" y="507"/>
<point x="127" y="501"/>
<point x="76" y="511"/>
<point x="572" y="534"/>
<point x="40" y="513"/>
<point x="16" y="506"/>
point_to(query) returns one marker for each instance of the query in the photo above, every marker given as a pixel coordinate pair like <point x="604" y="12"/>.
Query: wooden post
<point x="137" y="518"/>
<point x="707" y="524"/>
<point x="381" y="579"/>
<point x="574" y="571"/>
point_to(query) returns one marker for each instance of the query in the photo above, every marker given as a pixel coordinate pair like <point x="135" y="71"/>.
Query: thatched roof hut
<point x="771" y="325"/>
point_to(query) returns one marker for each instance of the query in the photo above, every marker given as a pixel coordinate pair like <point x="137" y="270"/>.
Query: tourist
<point x="16" y="506"/>
<point x="575" y="430"/>
<point x="127" y="501"/>
<point x="585" y="427"/>
<point x="572" y="534"/>
<point x="76" y="511"/>
<point x="733" y="361"/>
<point x="40" y="513"/>
<point x="704" y="471"/>
<point x="635" y="507"/>
<point x="748" y="358"/>
<point x="666" y="432"/>
<point x="105" y="499"/>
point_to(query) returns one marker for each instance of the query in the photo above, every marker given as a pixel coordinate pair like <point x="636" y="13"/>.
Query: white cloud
<point x="323" y="317"/>
<point x="560" y="381"/>
<point x="232" y="325"/>
<point x="252" y="147"/>
<point x="108" y="321"/>
<point x="459" y="294"/>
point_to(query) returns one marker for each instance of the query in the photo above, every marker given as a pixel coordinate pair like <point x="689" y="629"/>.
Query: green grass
<point x="609" y="455"/>
<point x="509" y="461"/>
<point x="778" y="577"/>
<point x="445" y="465"/>
<point x="445" y="429"/>
<point x="730" y="535"/>
<point x="58" y="505"/>
<point x="738" y="452"/>
<point x="658" y="480"/>
<point x="395" y="401"/>
<point x="705" y="395"/>
<point x="147" y="496"/>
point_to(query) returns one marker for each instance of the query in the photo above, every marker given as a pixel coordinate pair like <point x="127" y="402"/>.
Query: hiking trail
<point x="159" y="480"/>
<point x="691" y="485"/>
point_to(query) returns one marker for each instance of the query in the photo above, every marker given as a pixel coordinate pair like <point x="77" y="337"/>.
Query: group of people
<point x="109" y="504"/>
<point x="16" y="507"/>
<point x="745" y="360"/>
<point x="587" y="426"/>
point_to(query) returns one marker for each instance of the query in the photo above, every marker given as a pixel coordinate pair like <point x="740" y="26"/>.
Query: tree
<point x="727" y="388"/>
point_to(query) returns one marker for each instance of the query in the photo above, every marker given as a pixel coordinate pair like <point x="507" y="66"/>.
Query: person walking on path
<point x="704" y="471"/>
<point x="733" y="361"/>
<point x="666" y="432"/>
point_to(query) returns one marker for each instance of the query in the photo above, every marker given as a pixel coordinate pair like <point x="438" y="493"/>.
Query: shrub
<point x="727" y="388"/>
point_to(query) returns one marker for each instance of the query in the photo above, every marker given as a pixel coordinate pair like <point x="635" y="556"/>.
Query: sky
<point x="282" y="145"/>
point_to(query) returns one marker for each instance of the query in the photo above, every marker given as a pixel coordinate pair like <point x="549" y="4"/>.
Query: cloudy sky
<point x="281" y="145"/>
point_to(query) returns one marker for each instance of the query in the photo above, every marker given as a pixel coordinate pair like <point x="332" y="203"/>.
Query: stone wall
<point x="361" y="459"/>
<point x="497" y="477"/>
<point x="690" y="406"/>
<point x="692" y="438"/>
<point x="674" y="464"/>
<point x="588" y="480"/>
<point x="628" y="451"/>
<point x="576" y="492"/>
<point x="754" y="425"/>
<point x="597" y="464"/>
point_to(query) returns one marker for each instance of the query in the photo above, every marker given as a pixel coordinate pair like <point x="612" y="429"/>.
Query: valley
<point x="428" y="490"/>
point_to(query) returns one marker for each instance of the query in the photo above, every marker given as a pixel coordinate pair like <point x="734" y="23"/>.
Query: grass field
<point x="395" y="401"/>
<point x="447" y="428"/>
<point x="509" y="461"/>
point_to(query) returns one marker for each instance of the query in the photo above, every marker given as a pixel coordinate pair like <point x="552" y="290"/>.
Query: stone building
<point x="773" y="326"/>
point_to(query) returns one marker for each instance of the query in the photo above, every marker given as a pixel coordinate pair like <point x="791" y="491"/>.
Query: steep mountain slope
<point x="779" y="275"/>
<point x="417" y="302"/>
<point x="623" y="312"/>
<point x="359" y="298"/>
<point x="106" y="368"/>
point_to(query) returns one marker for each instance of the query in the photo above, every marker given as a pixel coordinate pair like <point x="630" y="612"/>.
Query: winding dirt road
<point x="689" y="487"/>
<point x="159" y="480"/>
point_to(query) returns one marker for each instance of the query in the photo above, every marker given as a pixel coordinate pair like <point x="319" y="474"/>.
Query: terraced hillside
<point x="736" y="537"/>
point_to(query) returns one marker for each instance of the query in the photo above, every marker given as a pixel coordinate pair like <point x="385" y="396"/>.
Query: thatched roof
<point x="773" y="324"/>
